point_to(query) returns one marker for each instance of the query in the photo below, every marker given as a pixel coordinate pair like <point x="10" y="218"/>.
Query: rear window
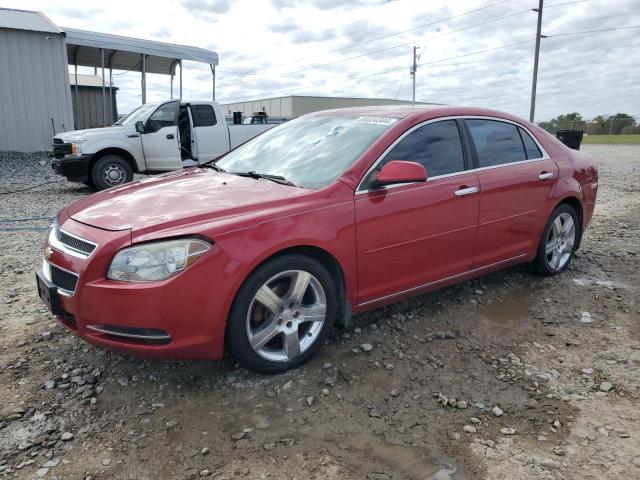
<point x="496" y="142"/>
<point x="203" y="115"/>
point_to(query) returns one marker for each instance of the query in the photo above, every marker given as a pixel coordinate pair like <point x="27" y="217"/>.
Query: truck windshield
<point x="139" y="113"/>
<point x="310" y="151"/>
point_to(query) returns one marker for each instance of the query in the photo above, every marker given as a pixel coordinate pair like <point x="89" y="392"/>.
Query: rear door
<point x="160" y="141"/>
<point x="413" y="234"/>
<point x="210" y="135"/>
<point x="517" y="180"/>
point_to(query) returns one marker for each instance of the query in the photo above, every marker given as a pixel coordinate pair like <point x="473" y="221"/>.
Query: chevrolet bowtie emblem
<point x="48" y="252"/>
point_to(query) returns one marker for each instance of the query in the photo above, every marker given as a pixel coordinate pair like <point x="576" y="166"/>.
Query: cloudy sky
<point x="472" y="52"/>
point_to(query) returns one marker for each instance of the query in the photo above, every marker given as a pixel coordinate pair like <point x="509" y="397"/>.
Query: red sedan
<point x="330" y="214"/>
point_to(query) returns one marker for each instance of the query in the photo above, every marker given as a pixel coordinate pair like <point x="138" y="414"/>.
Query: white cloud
<point x="270" y="49"/>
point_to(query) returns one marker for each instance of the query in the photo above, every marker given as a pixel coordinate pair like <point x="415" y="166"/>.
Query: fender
<point x="98" y="145"/>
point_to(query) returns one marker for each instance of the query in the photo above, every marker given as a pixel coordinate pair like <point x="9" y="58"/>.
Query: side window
<point x="203" y="115"/>
<point x="436" y="146"/>
<point x="165" y="116"/>
<point x="529" y="145"/>
<point x="496" y="142"/>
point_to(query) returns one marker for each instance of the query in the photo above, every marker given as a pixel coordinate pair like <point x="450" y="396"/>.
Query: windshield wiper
<point x="212" y="166"/>
<point x="274" y="178"/>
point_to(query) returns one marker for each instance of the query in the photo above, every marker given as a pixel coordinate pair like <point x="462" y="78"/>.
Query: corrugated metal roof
<point x="85" y="80"/>
<point x="124" y="53"/>
<point x="26" y="20"/>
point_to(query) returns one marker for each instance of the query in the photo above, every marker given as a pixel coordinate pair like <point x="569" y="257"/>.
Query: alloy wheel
<point x="560" y="241"/>
<point x="286" y="315"/>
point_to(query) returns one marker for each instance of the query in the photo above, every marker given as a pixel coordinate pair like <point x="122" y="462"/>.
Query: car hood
<point x="77" y="135"/>
<point x="178" y="198"/>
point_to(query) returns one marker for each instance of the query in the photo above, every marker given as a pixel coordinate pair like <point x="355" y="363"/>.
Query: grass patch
<point x="614" y="139"/>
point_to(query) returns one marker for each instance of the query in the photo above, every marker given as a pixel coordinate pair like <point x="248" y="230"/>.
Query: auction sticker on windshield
<point x="376" y="120"/>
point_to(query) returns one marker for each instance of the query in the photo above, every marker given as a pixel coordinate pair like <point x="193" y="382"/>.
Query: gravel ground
<point x="508" y="376"/>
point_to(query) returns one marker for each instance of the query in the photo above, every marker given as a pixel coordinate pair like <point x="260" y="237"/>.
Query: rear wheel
<point x="282" y="314"/>
<point x="111" y="171"/>
<point x="558" y="242"/>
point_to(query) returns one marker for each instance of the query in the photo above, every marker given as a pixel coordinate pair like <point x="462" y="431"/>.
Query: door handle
<point x="465" y="191"/>
<point x="546" y="175"/>
<point x="170" y="136"/>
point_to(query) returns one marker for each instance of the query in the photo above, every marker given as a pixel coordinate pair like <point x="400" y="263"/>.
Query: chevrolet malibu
<point x="265" y="250"/>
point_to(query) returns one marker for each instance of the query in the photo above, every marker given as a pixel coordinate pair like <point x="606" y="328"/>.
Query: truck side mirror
<point x="139" y="127"/>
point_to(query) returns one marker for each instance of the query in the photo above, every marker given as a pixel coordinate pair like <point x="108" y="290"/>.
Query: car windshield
<point x="310" y="151"/>
<point x="138" y="114"/>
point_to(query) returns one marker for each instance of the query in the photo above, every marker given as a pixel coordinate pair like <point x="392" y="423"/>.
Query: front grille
<point x="60" y="149"/>
<point x="75" y="243"/>
<point x="63" y="279"/>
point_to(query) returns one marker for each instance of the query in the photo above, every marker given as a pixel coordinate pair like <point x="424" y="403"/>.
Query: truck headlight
<point x="76" y="147"/>
<point x="151" y="262"/>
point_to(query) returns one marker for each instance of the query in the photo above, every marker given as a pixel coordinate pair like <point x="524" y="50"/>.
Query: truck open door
<point x="160" y="138"/>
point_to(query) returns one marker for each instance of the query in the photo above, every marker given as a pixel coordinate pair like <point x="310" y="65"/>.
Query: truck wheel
<point x="282" y="314"/>
<point x="111" y="171"/>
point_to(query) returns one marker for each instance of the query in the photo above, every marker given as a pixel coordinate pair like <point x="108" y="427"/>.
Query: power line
<point x="442" y="60"/>
<point x="387" y="36"/>
<point x="591" y="31"/>
<point x="372" y="52"/>
<point x="433" y="62"/>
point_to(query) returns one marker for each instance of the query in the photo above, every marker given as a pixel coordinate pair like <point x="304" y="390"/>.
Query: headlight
<point x="151" y="262"/>
<point x="76" y="147"/>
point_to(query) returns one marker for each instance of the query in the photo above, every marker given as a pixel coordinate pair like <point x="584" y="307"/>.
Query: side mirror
<point x="399" y="171"/>
<point x="139" y="127"/>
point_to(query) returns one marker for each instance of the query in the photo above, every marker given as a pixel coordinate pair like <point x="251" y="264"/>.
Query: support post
<point x="213" y="82"/>
<point x="104" y="99"/>
<point x="111" y="116"/>
<point x="144" y="79"/>
<point x="180" y="63"/>
<point x="77" y="113"/>
<point x="534" y="82"/>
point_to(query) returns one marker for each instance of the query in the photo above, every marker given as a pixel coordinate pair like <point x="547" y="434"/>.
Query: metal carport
<point x="102" y="50"/>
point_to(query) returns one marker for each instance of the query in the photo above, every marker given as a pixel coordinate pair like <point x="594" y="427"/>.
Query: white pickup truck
<point x="154" y="138"/>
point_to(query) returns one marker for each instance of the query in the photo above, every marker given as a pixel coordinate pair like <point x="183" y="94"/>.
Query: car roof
<point x="425" y="111"/>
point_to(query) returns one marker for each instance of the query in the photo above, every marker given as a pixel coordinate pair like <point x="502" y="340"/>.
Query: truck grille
<point x="63" y="279"/>
<point x="60" y="149"/>
<point x="75" y="243"/>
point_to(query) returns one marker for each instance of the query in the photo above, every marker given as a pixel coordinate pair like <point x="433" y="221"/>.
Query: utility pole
<point x="414" y="67"/>
<point x="535" y="61"/>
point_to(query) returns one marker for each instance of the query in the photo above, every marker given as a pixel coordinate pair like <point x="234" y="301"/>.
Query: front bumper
<point x="75" y="168"/>
<point x="180" y="318"/>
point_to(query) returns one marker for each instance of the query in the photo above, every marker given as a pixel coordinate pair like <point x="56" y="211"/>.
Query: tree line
<point x="618" y="124"/>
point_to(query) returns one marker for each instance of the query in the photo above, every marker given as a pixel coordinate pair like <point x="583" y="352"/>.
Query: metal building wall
<point x="294" y="106"/>
<point x="279" y="107"/>
<point x="35" y="98"/>
<point x="89" y="113"/>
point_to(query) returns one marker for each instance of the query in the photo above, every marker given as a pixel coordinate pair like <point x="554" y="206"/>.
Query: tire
<point x="111" y="171"/>
<point x="551" y="261"/>
<point x="292" y="324"/>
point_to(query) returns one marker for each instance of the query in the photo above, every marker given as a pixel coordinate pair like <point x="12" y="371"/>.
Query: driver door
<point x="160" y="141"/>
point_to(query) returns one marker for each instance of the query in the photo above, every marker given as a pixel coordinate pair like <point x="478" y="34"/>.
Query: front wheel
<point x="111" y="171"/>
<point x="282" y="314"/>
<point x="558" y="242"/>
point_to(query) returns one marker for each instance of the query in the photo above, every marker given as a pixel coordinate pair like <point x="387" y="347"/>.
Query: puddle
<point x="411" y="461"/>
<point x="513" y="308"/>
<point x="414" y="462"/>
